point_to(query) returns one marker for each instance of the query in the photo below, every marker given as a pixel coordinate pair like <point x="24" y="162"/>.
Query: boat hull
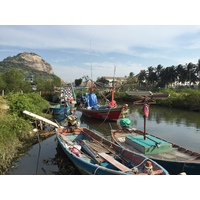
<point x="60" y="111"/>
<point x="175" y="167"/>
<point x="176" y="161"/>
<point x="87" y="165"/>
<point x="84" y="167"/>
<point x="103" y="114"/>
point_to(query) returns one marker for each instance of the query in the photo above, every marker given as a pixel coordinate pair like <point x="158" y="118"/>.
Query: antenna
<point x="91" y="61"/>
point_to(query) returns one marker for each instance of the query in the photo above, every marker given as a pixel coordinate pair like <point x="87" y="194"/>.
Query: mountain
<point x="28" y="63"/>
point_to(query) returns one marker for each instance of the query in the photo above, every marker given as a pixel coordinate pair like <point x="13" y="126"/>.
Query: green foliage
<point x="2" y="82"/>
<point x="14" y="80"/>
<point x="184" y="99"/>
<point x="78" y="82"/>
<point x="102" y="80"/>
<point x="14" y="126"/>
<point x="32" y="102"/>
<point x="7" y="65"/>
<point x="56" y="81"/>
<point x="13" y="74"/>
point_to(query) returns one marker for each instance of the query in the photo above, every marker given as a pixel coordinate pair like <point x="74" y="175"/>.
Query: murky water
<point x="180" y="127"/>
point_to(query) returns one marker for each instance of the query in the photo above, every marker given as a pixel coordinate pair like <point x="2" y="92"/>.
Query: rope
<point x="105" y="117"/>
<point x="97" y="169"/>
<point x="141" y="163"/>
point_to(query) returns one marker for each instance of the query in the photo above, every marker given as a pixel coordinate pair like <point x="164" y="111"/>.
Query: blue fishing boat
<point x="174" y="158"/>
<point x="67" y="101"/>
<point x="93" y="154"/>
<point x="60" y="109"/>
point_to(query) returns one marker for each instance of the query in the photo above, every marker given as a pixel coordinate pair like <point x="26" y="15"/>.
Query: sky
<point x="94" y="39"/>
<point x="75" y="51"/>
<point x="95" y="48"/>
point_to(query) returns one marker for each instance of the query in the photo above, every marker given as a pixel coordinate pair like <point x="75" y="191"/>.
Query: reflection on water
<point x="177" y="126"/>
<point x="46" y="158"/>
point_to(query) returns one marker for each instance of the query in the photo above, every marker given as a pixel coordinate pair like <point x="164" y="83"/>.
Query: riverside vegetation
<point x="16" y="129"/>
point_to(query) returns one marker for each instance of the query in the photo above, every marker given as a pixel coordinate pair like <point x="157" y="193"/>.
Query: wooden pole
<point x="145" y="128"/>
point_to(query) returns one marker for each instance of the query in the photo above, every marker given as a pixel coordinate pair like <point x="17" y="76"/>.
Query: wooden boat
<point x="60" y="109"/>
<point x="174" y="158"/>
<point x="93" y="154"/>
<point x="67" y="101"/>
<point x="104" y="113"/>
<point x="108" y="112"/>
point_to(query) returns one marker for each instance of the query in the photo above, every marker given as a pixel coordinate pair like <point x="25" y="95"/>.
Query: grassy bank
<point x="15" y="128"/>
<point x="187" y="99"/>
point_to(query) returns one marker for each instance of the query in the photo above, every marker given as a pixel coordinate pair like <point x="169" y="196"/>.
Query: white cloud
<point x="72" y="49"/>
<point x="98" y="38"/>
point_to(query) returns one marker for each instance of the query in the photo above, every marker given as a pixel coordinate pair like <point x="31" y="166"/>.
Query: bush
<point x="32" y="102"/>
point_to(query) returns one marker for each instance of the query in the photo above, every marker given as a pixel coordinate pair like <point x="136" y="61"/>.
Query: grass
<point x="15" y="129"/>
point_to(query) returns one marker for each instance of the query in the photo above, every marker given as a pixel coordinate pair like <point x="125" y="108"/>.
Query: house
<point x="118" y="80"/>
<point x="30" y="78"/>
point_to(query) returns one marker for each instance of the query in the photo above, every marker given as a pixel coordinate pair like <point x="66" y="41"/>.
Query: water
<point x="177" y="126"/>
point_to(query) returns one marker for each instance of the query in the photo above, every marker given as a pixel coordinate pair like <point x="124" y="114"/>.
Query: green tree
<point x="2" y="83"/>
<point x="78" y="82"/>
<point x="181" y="73"/>
<point x="56" y="81"/>
<point x="14" y="81"/>
<point x="102" y="81"/>
<point x="142" y="77"/>
<point x="131" y="74"/>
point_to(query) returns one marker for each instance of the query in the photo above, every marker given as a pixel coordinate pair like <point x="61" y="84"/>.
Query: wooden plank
<point x="40" y="118"/>
<point x="114" y="162"/>
<point x="96" y="147"/>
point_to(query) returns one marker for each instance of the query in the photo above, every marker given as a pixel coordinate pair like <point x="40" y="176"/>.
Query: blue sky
<point x="94" y="48"/>
<point x="75" y="51"/>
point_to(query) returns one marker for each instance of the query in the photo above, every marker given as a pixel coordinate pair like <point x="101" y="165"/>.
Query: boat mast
<point x="91" y="64"/>
<point x="113" y="87"/>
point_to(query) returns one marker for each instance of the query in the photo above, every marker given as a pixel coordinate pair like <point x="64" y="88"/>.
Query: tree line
<point x="188" y="74"/>
<point x="13" y="80"/>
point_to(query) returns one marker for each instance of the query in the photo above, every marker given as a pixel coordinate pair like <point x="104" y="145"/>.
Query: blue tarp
<point x="92" y="100"/>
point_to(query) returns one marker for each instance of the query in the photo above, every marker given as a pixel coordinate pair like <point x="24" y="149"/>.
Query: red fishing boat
<point x="108" y="112"/>
<point x="104" y="113"/>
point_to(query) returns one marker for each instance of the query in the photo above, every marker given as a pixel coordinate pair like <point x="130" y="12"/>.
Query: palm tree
<point x="142" y="77"/>
<point x="181" y="73"/>
<point x="152" y="77"/>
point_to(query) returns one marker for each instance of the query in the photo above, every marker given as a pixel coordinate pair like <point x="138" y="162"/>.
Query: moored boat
<point x="103" y="113"/>
<point x="174" y="158"/>
<point x="60" y="109"/>
<point x="67" y="101"/>
<point x="93" y="154"/>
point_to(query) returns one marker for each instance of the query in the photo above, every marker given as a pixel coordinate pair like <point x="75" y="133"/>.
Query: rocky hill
<point x="31" y="60"/>
<point x="28" y="64"/>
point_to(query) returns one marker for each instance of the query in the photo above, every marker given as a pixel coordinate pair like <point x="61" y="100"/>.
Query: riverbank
<point x="185" y="99"/>
<point x="16" y="130"/>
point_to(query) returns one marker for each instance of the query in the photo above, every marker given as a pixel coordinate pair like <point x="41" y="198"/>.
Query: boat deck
<point x="174" y="154"/>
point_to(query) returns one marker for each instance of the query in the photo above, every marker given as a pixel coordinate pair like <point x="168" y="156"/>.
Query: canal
<point x="178" y="126"/>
